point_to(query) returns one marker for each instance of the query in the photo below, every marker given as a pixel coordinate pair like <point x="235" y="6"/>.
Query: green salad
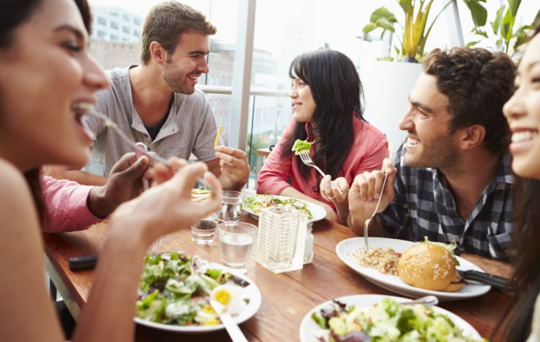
<point x="176" y="289"/>
<point x="388" y="321"/>
<point x="258" y="202"/>
<point x="300" y="145"/>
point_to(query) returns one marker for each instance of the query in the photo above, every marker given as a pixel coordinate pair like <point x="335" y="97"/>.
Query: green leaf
<point x="319" y="320"/>
<point x="479" y="32"/>
<point x="469" y="44"/>
<point x="521" y="36"/>
<point x="214" y="273"/>
<point x="369" y="27"/>
<point x="384" y="13"/>
<point x="514" y="6"/>
<point x="496" y="24"/>
<point x="397" y="51"/>
<point x="506" y="26"/>
<point x="406" y="5"/>
<point x="479" y="13"/>
<point x="385" y="24"/>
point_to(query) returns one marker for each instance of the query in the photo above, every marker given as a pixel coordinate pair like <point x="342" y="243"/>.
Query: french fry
<point x="218" y="135"/>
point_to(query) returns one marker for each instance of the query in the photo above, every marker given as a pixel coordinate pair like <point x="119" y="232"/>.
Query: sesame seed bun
<point x="427" y="266"/>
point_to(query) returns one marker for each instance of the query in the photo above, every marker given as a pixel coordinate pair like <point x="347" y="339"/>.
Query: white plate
<point x="250" y="292"/>
<point x="308" y="326"/>
<point x="317" y="212"/>
<point x="393" y="283"/>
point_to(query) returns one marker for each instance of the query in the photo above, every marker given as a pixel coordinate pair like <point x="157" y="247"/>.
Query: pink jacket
<point x="369" y="149"/>
<point x="65" y="202"/>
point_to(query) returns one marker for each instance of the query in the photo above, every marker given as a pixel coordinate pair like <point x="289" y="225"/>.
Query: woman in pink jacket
<point x="327" y="110"/>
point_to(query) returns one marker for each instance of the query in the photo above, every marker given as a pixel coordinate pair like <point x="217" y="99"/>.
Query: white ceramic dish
<point x="308" y="327"/>
<point x="346" y="248"/>
<point x="250" y="292"/>
<point x="317" y="212"/>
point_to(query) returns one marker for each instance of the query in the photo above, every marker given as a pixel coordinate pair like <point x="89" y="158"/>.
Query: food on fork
<point x="198" y="195"/>
<point x="300" y="145"/>
<point x="430" y="266"/>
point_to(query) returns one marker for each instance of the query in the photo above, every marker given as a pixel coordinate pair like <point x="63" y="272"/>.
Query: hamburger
<point x="430" y="266"/>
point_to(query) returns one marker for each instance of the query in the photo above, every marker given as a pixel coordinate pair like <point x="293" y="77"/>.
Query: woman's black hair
<point x="526" y="233"/>
<point x="337" y="92"/>
<point x="14" y="13"/>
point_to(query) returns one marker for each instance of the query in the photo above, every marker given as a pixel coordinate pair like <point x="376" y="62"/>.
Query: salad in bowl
<point x="385" y="320"/>
<point x="175" y="290"/>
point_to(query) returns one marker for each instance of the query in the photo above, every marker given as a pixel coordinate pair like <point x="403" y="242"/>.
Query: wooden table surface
<point x="286" y="297"/>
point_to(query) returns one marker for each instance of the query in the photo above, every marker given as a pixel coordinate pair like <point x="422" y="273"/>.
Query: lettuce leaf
<point x="300" y="145"/>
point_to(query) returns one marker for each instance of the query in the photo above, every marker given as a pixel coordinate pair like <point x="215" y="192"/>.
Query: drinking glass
<point x="235" y="244"/>
<point x="231" y="207"/>
<point x="204" y="231"/>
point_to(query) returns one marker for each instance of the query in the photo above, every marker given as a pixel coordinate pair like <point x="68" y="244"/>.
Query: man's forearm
<point x="496" y="267"/>
<point x="81" y="177"/>
<point x="85" y="178"/>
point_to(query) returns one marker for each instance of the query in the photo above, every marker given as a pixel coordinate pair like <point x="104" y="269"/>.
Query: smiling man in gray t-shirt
<point x="188" y="127"/>
<point x="156" y="102"/>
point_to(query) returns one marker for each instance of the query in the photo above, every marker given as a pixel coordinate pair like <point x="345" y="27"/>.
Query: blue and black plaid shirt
<point x="424" y="206"/>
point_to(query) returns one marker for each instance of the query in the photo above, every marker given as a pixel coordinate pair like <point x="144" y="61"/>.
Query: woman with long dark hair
<point x="327" y="110"/>
<point x="47" y="83"/>
<point x="523" y="114"/>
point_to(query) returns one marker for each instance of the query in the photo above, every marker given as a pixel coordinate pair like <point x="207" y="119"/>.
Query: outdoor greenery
<point x="503" y="27"/>
<point x="416" y="30"/>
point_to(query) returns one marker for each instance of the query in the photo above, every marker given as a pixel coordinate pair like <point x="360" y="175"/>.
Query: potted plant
<point x="414" y="30"/>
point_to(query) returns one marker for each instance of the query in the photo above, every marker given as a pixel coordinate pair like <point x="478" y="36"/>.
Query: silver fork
<point x="306" y="159"/>
<point x="366" y="224"/>
<point x="107" y="122"/>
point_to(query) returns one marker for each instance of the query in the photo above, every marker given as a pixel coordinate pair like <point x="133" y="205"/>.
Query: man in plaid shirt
<point x="451" y="179"/>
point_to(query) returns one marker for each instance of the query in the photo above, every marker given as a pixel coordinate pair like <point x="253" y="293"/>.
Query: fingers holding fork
<point x="334" y="191"/>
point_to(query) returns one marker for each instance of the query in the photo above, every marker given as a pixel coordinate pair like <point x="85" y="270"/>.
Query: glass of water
<point x="203" y="232"/>
<point x="231" y="207"/>
<point x="235" y="244"/>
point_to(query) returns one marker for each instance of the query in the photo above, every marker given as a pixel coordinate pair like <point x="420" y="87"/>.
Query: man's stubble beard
<point x="440" y="154"/>
<point x="176" y="80"/>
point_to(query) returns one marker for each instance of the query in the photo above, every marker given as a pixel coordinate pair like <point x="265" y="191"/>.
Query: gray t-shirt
<point x="190" y="127"/>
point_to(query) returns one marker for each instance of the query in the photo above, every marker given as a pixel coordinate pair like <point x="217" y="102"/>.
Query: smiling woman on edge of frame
<point x="46" y="77"/>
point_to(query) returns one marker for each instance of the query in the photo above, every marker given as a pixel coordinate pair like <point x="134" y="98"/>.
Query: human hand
<point x="159" y="173"/>
<point x="168" y="207"/>
<point x="123" y="184"/>
<point x="336" y="194"/>
<point x="365" y="190"/>
<point x="234" y="165"/>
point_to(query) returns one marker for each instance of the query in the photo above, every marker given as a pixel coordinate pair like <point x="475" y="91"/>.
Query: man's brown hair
<point x="166" y="21"/>
<point x="477" y="83"/>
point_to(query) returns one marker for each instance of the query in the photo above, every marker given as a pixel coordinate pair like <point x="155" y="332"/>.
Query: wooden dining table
<point x="286" y="297"/>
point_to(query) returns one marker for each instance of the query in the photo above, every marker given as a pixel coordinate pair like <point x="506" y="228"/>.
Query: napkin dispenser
<point x="281" y="239"/>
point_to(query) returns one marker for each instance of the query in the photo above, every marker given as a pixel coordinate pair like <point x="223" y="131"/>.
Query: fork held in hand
<point x="366" y="224"/>
<point x="306" y="159"/>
